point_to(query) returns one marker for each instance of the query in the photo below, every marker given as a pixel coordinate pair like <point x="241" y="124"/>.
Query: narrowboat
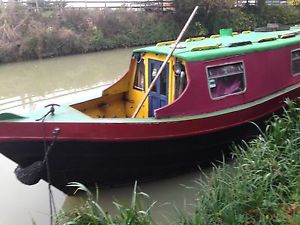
<point x="207" y="94"/>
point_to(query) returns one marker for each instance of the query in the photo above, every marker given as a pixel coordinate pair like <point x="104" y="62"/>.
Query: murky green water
<point x="30" y="85"/>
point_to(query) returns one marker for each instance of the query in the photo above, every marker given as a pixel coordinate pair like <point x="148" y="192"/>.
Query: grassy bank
<point x="262" y="187"/>
<point x="27" y="34"/>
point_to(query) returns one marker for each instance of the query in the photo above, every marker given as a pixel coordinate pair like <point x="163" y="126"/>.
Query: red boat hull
<point x="109" y="153"/>
<point x="116" y="163"/>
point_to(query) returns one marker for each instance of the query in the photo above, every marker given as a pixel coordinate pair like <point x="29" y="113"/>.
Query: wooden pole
<point x="165" y="62"/>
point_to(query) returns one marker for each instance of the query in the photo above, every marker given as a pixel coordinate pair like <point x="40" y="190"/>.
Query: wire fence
<point x="143" y="5"/>
<point x="146" y="5"/>
<point x="255" y="2"/>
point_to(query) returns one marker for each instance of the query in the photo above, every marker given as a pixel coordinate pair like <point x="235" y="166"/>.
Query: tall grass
<point x="136" y="213"/>
<point x="263" y="186"/>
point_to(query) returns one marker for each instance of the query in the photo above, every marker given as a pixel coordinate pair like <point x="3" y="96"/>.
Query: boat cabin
<point x="204" y="75"/>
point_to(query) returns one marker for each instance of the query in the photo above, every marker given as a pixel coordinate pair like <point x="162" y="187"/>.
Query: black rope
<point x="33" y="173"/>
<point x="47" y="150"/>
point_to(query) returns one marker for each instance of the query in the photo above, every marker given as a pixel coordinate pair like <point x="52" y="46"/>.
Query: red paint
<point x="102" y="132"/>
<point x="266" y="73"/>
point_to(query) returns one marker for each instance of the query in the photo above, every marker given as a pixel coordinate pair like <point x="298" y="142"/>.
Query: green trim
<point x="10" y="116"/>
<point x="225" y="41"/>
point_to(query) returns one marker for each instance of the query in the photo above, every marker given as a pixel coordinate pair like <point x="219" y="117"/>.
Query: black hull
<point x="117" y="163"/>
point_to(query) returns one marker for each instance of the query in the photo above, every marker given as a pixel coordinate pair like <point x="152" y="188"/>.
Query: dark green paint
<point x="10" y="116"/>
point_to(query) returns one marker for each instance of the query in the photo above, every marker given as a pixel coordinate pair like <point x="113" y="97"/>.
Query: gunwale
<point x="69" y="115"/>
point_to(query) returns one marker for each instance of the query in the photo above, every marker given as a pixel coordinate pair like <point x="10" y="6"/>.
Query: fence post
<point x="37" y="6"/>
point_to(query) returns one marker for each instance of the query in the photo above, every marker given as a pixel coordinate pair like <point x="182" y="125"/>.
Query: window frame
<point x="226" y="64"/>
<point x="175" y="77"/>
<point x="137" y="68"/>
<point x="292" y="51"/>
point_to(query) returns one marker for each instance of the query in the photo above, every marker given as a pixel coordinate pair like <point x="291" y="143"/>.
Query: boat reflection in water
<point x="205" y="96"/>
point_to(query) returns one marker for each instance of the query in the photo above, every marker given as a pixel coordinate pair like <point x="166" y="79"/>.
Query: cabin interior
<point x="122" y="98"/>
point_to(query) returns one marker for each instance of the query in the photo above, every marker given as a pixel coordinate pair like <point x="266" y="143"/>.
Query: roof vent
<point x="241" y="43"/>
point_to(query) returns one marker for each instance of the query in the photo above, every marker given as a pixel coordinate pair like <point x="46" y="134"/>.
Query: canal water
<point x="29" y="85"/>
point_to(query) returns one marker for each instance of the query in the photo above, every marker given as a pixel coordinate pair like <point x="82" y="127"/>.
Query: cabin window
<point x="162" y="87"/>
<point x="139" y="80"/>
<point x="180" y="79"/>
<point x="226" y="80"/>
<point x="296" y="62"/>
<point x="163" y="84"/>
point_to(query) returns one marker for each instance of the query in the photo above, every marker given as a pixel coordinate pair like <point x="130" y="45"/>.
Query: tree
<point x="208" y="10"/>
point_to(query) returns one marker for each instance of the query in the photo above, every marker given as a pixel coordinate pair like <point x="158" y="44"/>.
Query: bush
<point x="235" y="19"/>
<point x="282" y="15"/>
<point x="29" y="34"/>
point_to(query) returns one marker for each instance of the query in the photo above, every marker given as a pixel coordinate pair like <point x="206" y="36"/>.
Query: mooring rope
<point x="47" y="150"/>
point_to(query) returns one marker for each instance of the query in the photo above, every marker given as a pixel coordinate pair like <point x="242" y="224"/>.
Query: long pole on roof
<point x="166" y="61"/>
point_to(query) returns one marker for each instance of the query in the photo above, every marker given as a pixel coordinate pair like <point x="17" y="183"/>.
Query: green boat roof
<point x="227" y="45"/>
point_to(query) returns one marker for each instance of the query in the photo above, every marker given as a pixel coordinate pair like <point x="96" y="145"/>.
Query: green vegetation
<point x="137" y="213"/>
<point x="261" y="188"/>
<point x="29" y="34"/>
<point x="216" y="14"/>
